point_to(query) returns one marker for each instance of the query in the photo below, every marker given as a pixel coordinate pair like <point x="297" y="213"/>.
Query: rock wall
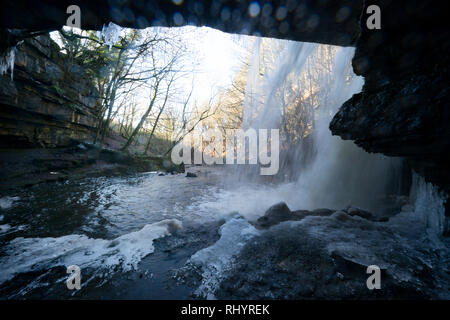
<point x="49" y="102"/>
<point x="403" y="107"/>
<point x="333" y="22"/>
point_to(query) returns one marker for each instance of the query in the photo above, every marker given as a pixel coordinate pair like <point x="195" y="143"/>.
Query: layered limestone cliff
<point x="48" y="102"/>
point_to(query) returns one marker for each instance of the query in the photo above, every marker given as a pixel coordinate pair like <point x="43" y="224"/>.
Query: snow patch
<point x="8" y="202"/>
<point x="216" y="259"/>
<point x="126" y="251"/>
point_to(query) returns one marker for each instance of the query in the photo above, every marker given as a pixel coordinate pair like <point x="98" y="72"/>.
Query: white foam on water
<point x="250" y="200"/>
<point x="126" y="251"/>
<point x="4" y="227"/>
<point x="340" y="173"/>
<point x="218" y="258"/>
<point x="8" y="202"/>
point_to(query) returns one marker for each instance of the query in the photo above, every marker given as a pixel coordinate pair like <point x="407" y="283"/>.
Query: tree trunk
<point x="144" y="117"/>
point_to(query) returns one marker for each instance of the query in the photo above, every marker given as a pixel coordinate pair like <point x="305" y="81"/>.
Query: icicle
<point x="429" y="204"/>
<point x="110" y="34"/>
<point x="7" y="61"/>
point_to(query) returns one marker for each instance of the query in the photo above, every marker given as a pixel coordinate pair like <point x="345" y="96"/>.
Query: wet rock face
<point x="280" y="212"/>
<point x="49" y="102"/>
<point x="407" y="118"/>
<point x="275" y="214"/>
<point x="403" y="107"/>
<point x="328" y="257"/>
<point x="334" y="22"/>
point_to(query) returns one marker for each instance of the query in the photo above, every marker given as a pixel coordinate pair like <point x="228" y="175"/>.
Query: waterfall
<point x="328" y="171"/>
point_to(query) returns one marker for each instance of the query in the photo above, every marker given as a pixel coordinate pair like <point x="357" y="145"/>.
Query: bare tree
<point x="161" y="109"/>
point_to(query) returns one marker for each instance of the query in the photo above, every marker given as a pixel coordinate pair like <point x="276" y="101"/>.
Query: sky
<point x="218" y="57"/>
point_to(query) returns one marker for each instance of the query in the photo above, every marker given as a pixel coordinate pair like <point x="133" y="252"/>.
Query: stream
<point x="163" y="236"/>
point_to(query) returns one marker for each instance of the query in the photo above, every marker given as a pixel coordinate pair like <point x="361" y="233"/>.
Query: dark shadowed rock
<point x="171" y="167"/>
<point x="335" y="25"/>
<point x="341" y="216"/>
<point x="402" y="110"/>
<point x="322" y="212"/>
<point x="352" y="211"/>
<point x="278" y="213"/>
<point x="191" y="175"/>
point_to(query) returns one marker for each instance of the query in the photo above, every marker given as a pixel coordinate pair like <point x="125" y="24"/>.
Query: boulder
<point x="171" y="167"/>
<point x="278" y="213"/>
<point x="408" y="208"/>
<point x="341" y="216"/>
<point x="191" y="175"/>
<point x="353" y="211"/>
